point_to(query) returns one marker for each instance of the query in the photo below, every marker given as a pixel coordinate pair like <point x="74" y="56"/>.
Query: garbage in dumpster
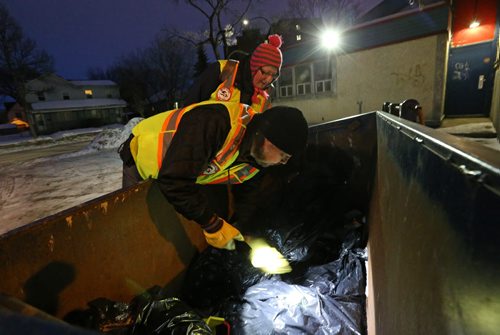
<point x="169" y="316"/>
<point x="148" y="314"/>
<point x="327" y="299"/>
<point x="216" y="275"/>
<point x="104" y="315"/>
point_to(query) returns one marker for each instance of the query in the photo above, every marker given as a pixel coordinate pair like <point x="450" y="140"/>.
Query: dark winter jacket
<point x="200" y="135"/>
<point x="210" y="79"/>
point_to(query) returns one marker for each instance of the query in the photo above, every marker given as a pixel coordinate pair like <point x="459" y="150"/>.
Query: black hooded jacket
<point x="200" y="135"/>
<point x="210" y="79"/>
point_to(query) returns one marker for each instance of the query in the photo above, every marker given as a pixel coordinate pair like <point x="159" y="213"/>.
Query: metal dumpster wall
<point x="356" y="136"/>
<point x="434" y="250"/>
<point x="115" y="246"/>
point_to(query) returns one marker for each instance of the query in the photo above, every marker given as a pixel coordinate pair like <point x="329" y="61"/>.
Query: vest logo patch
<point x="224" y="94"/>
<point x="211" y="169"/>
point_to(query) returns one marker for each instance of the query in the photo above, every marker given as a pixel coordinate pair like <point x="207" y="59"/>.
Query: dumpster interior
<point x="415" y="205"/>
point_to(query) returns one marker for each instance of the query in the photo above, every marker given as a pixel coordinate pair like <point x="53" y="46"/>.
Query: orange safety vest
<point x="152" y="138"/>
<point x="227" y="92"/>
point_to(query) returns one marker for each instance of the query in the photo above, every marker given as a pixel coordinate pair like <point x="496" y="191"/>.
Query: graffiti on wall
<point x="413" y="77"/>
<point x="460" y="71"/>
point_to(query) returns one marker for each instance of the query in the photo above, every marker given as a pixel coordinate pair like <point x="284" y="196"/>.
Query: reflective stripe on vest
<point x="226" y="91"/>
<point x="155" y="134"/>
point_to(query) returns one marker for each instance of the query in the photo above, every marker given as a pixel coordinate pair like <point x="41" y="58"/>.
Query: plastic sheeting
<point x="330" y="301"/>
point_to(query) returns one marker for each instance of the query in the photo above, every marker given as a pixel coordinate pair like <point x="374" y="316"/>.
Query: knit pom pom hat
<point x="267" y="54"/>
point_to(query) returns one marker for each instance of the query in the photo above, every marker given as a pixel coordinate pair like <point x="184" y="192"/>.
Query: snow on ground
<point x="36" y="188"/>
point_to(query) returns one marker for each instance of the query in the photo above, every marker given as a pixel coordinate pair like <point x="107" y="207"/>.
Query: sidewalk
<point x="477" y="129"/>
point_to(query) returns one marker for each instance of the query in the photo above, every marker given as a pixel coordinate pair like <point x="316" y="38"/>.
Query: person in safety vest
<point x="246" y="81"/>
<point x="210" y="143"/>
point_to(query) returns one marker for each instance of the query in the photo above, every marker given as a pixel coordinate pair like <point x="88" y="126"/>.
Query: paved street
<point x="9" y="158"/>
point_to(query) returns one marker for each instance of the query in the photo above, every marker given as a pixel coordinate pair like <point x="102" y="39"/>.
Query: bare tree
<point x="20" y="61"/>
<point x="133" y="75"/>
<point x="201" y="60"/>
<point x="221" y="16"/>
<point x="171" y="61"/>
<point x="156" y="76"/>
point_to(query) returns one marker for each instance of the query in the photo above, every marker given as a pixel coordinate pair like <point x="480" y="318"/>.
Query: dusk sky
<point x="94" y="33"/>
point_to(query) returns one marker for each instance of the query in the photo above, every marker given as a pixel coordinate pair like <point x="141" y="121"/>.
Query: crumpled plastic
<point x="218" y="275"/>
<point x="169" y="316"/>
<point x="330" y="300"/>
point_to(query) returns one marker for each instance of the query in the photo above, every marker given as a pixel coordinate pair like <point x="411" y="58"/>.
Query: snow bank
<point x="108" y="139"/>
<point x="113" y="138"/>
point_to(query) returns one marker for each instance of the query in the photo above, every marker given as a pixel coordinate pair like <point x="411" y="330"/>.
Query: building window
<point x="286" y="91"/>
<point x="323" y="86"/>
<point x="303" y="79"/>
<point x="303" y="88"/>
<point x="65" y="96"/>
<point x="286" y="82"/>
<point x="323" y="76"/>
<point x="41" y="96"/>
<point x="88" y="94"/>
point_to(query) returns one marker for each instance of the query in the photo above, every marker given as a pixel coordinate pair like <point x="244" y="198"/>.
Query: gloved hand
<point x="224" y="237"/>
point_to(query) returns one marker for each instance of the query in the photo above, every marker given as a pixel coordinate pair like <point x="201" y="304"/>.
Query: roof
<point x="93" y="82"/>
<point x="389" y="7"/>
<point x="387" y="30"/>
<point x="49" y="106"/>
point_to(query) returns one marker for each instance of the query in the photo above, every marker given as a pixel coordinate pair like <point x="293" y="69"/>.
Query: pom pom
<point x="275" y="40"/>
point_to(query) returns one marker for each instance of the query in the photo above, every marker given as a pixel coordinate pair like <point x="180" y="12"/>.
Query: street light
<point x="246" y="22"/>
<point x="330" y="39"/>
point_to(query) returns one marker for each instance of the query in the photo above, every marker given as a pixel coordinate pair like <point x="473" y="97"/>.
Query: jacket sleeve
<point x="200" y="135"/>
<point x="204" y="86"/>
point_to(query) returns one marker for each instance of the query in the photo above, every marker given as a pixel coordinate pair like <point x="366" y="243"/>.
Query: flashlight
<point x="267" y="258"/>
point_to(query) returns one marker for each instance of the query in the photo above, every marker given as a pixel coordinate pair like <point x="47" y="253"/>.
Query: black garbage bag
<point x="105" y="315"/>
<point x="345" y="276"/>
<point x="169" y="316"/>
<point x="217" y="275"/>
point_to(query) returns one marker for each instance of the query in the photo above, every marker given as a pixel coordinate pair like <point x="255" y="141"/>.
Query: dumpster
<point x="432" y="203"/>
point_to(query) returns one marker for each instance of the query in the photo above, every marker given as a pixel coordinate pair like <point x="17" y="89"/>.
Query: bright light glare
<point x="330" y="39"/>
<point x="245" y="22"/>
<point x="474" y="24"/>
<point x="268" y="259"/>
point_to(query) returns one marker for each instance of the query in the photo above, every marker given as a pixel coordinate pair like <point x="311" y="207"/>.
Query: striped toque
<point x="267" y="54"/>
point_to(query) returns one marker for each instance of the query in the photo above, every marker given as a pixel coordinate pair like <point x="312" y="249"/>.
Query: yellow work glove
<point x="224" y="237"/>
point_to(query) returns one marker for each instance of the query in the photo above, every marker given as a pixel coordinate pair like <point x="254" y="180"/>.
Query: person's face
<point x="267" y="154"/>
<point x="264" y="76"/>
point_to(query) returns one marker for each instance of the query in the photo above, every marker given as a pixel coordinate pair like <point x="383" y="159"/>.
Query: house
<point x="55" y="103"/>
<point x="425" y="51"/>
